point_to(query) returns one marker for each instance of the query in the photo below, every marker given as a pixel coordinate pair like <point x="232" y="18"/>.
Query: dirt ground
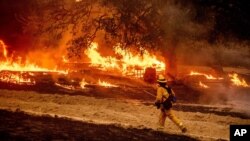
<point x="21" y="126"/>
<point x="128" y="117"/>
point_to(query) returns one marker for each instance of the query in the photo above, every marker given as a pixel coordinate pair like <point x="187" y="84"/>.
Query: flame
<point x="98" y="60"/>
<point x="203" y="85"/>
<point x="11" y="65"/>
<point x="208" y="76"/>
<point x="16" y="68"/>
<point x="72" y="87"/>
<point x="128" y="62"/>
<point x="236" y="81"/>
<point x="26" y="67"/>
<point x="65" y="60"/>
<point x="83" y="83"/>
<point x="144" y="61"/>
<point x="5" y="52"/>
<point x="105" y="84"/>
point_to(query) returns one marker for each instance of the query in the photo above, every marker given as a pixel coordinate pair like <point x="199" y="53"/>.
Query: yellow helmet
<point x="161" y="79"/>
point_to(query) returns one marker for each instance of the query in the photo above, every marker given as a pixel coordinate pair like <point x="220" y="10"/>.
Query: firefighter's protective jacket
<point x="162" y="94"/>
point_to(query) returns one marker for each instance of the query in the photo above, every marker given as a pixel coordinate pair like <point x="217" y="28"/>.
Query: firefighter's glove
<point x="158" y="104"/>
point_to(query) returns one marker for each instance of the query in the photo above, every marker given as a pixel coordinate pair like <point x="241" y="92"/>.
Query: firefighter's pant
<point x="169" y="113"/>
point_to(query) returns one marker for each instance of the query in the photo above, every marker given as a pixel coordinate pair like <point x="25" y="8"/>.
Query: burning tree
<point x="150" y="24"/>
<point x="133" y="24"/>
<point x="155" y="25"/>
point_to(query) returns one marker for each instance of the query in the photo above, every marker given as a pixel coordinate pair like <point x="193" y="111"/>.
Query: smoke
<point x="180" y="21"/>
<point x="239" y="98"/>
<point x="192" y="27"/>
<point x="229" y="54"/>
<point x="235" y="98"/>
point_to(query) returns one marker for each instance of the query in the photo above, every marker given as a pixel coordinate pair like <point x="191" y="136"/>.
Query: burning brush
<point x="128" y="63"/>
<point x="237" y="81"/>
<point x="234" y="78"/>
<point x="207" y="76"/>
<point x="17" y="72"/>
<point x="203" y="85"/>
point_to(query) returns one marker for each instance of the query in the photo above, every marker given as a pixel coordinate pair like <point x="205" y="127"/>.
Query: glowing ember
<point x="69" y="87"/>
<point x="203" y="85"/>
<point x="236" y="81"/>
<point x="208" y="76"/>
<point x="16" y="78"/>
<point x="105" y="84"/>
<point x="127" y="63"/>
<point x="65" y="60"/>
<point x="83" y="83"/>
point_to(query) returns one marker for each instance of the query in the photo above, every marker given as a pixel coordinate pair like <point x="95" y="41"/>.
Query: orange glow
<point x="11" y="65"/>
<point x="127" y="63"/>
<point x="69" y="87"/>
<point x="144" y="61"/>
<point x="65" y="60"/>
<point x="4" y="47"/>
<point x="208" y="76"/>
<point x="203" y="85"/>
<point x="16" y="71"/>
<point x="236" y="80"/>
<point x="97" y="60"/>
<point x="83" y="83"/>
<point x="17" y="66"/>
<point x="105" y="84"/>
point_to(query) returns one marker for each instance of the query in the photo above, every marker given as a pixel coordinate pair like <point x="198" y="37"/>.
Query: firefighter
<point x="164" y="99"/>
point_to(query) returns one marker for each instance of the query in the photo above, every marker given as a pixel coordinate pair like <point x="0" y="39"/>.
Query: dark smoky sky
<point x="231" y="19"/>
<point x="10" y="26"/>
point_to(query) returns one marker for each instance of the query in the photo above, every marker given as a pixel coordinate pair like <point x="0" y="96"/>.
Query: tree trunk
<point x="170" y="59"/>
